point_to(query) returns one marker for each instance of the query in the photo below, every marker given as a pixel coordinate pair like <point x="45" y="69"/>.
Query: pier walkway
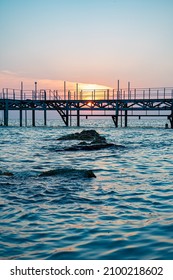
<point x="119" y="104"/>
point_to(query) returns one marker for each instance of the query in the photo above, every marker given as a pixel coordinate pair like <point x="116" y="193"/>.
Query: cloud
<point x="8" y="72"/>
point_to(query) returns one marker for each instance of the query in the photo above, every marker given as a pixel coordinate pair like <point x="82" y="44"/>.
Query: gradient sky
<point x="89" y="41"/>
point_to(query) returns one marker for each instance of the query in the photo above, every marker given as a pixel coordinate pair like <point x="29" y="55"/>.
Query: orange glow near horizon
<point x="91" y="87"/>
<point x="12" y="80"/>
<point x="85" y="91"/>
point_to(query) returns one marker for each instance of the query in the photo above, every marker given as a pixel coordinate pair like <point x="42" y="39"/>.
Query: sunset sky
<point x="86" y="41"/>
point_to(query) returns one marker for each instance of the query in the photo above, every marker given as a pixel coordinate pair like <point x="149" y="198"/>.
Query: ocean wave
<point x="50" y="210"/>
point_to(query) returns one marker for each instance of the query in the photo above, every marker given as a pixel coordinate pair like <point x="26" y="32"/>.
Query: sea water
<point x="126" y="212"/>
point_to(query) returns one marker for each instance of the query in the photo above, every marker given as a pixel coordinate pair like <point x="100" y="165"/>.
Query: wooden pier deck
<point x="118" y="104"/>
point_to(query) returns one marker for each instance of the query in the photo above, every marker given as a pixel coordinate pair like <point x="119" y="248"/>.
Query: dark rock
<point x="6" y="173"/>
<point x="91" y="147"/>
<point x="94" y="141"/>
<point x="99" y="141"/>
<point x="49" y="173"/>
<point x="85" y="135"/>
<point x="90" y="174"/>
<point x="74" y="136"/>
<point x="69" y="173"/>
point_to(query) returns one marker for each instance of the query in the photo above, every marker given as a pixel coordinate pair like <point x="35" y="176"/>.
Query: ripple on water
<point x="123" y="213"/>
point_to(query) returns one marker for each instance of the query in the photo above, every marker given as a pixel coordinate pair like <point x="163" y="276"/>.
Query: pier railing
<point x="119" y="103"/>
<point x="92" y="94"/>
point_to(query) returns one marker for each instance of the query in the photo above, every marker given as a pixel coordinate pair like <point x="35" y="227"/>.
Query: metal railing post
<point x="69" y="94"/>
<point x="77" y="91"/>
<point x="35" y="90"/>
<point x="3" y="93"/>
<point x="135" y="93"/>
<point x="128" y="90"/>
<point x="64" y="90"/>
<point x="107" y="94"/>
<point x="21" y="91"/>
<point x="44" y="94"/>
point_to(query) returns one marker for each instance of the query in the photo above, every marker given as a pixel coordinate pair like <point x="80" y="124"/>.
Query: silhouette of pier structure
<point x="119" y="104"/>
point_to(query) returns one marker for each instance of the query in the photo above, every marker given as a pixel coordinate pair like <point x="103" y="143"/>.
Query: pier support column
<point x="115" y="120"/>
<point x="78" y="117"/>
<point x="45" y="117"/>
<point x="170" y="117"/>
<point x="20" y="117"/>
<point x="45" y="113"/>
<point x="125" y="117"/>
<point x="25" y="117"/>
<point x="67" y="118"/>
<point x="33" y="117"/>
<point x="171" y="120"/>
<point x="6" y="113"/>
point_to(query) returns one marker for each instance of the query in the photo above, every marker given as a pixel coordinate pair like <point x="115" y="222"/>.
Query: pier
<point x="118" y="104"/>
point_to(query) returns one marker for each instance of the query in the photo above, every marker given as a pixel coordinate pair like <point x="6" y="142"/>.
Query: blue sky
<point x="89" y="41"/>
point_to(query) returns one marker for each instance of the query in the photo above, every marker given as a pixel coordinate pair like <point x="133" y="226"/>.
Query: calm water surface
<point x="126" y="212"/>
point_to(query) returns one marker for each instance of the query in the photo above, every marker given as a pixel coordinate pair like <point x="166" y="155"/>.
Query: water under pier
<point x="119" y="104"/>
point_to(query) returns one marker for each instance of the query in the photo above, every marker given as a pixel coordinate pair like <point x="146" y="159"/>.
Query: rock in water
<point x="85" y="135"/>
<point x="94" y="141"/>
<point x="73" y="136"/>
<point x="6" y="173"/>
<point x="69" y="172"/>
<point x="90" y="174"/>
<point x="91" y="147"/>
<point x="49" y="173"/>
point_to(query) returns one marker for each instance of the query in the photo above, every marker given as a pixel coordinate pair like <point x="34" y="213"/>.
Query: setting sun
<point x="90" y="103"/>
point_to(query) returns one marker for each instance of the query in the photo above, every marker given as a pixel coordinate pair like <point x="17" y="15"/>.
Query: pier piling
<point x="6" y="113"/>
<point x="33" y="117"/>
<point x="20" y="116"/>
<point x="78" y="116"/>
<point x="125" y="117"/>
<point x="45" y="117"/>
<point x="125" y="123"/>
